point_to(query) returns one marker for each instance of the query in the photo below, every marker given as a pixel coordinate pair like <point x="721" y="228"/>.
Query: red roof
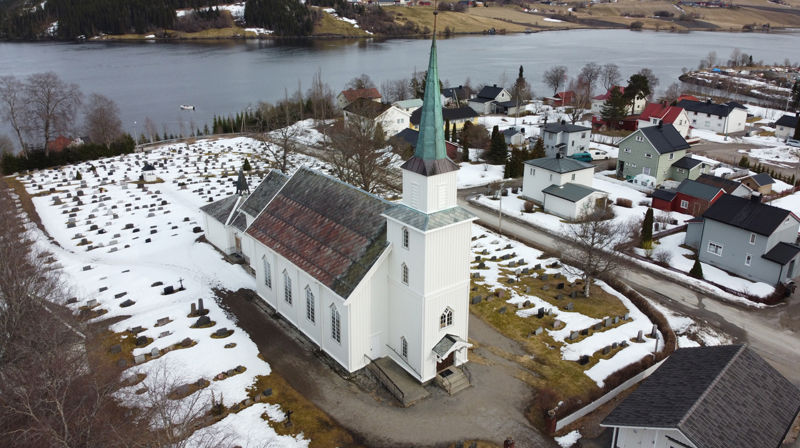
<point x="607" y="95"/>
<point x="566" y="96"/>
<point x="686" y="97"/>
<point x="58" y="144"/>
<point x="354" y="94"/>
<point x="667" y="114"/>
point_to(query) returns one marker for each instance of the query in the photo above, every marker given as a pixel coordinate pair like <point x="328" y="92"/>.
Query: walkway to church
<point x="492" y="409"/>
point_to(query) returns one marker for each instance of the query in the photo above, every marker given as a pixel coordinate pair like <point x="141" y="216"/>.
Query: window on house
<point x="446" y="319"/>
<point x="639" y="138"/>
<point x="684" y="204"/>
<point x="747" y="259"/>
<point x="752" y="238"/>
<point x="336" y="331"/>
<point x="403" y="347"/>
<point x="533" y="171"/>
<point x="646" y="170"/>
<point x="715" y="248"/>
<point x="671" y="155"/>
<point x="694" y="121"/>
<point x="287" y="288"/>
<point x="573" y="176"/>
<point x="583" y="135"/>
<point x="648" y="155"/>
<point x="267" y="273"/>
<point x="628" y="150"/>
<point x="310" y="311"/>
<point x="405" y="237"/>
<point x="573" y="143"/>
<point x="404" y="273"/>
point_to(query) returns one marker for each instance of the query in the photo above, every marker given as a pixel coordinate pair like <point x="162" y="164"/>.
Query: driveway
<point x="492" y="409"/>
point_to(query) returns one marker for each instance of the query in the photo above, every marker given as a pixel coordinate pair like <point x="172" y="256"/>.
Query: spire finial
<point x="435" y="15"/>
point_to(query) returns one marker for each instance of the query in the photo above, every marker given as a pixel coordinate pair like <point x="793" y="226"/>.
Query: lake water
<point x="153" y="79"/>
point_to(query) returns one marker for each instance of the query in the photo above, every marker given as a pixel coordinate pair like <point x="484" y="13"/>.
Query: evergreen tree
<point x="78" y="175"/>
<point x="246" y="166"/>
<point x="516" y="165"/>
<point x="614" y="108"/>
<point x="795" y="100"/>
<point x="744" y="162"/>
<point x="465" y="143"/>
<point x="538" y="149"/>
<point x="638" y="87"/>
<point x="454" y="134"/>
<point x="647" y="230"/>
<point x="498" y="149"/>
<point x="447" y="130"/>
<point x="697" y="269"/>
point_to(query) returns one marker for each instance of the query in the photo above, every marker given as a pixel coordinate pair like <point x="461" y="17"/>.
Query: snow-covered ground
<point x="569" y="439"/>
<point x="474" y="175"/>
<point x="688" y="330"/>
<point x="236" y="10"/>
<point x="498" y="246"/>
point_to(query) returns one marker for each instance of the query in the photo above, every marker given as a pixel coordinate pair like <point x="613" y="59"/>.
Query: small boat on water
<point x="187" y="107"/>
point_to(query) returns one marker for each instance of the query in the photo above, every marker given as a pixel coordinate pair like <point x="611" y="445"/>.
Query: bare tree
<point x="359" y="154"/>
<point x="652" y="79"/>
<point x="362" y="81"/>
<point x="610" y="76"/>
<point x="672" y="93"/>
<point x="321" y="97"/>
<point x="53" y="106"/>
<point x="591" y="252"/>
<point x="396" y="90"/>
<point x="14" y="107"/>
<point x="280" y="143"/>
<point x="101" y="122"/>
<point x="151" y="130"/>
<point x="554" y="77"/>
<point x="581" y="98"/>
<point x="590" y="74"/>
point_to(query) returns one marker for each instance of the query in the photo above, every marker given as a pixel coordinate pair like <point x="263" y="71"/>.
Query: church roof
<point x="424" y="221"/>
<point x="430" y="155"/>
<point x="221" y="209"/>
<point x="264" y="193"/>
<point x="327" y="228"/>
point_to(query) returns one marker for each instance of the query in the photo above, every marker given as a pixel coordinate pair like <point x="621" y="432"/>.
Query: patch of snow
<point x="259" y="31"/>
<point x="474" y="175"/>
<point x="548" y="19"/>
<point x="566" y="441"/>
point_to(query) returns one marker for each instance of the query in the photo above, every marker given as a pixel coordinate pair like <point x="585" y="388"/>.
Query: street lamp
<point x="500" y="209"/>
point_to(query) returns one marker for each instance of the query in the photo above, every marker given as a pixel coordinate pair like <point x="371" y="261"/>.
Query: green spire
<point x="430" y="144"/>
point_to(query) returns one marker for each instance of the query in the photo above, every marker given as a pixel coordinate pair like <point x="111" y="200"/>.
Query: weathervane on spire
<point x="435" y="13"/>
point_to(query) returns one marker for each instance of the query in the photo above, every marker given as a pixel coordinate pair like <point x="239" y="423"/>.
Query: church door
<point x="446" y="362"/>
<point x="238" y="243"/>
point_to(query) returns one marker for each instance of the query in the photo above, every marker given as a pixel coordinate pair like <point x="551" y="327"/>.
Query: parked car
<point x="582" y="156"/>
<point x="598" y="154"/>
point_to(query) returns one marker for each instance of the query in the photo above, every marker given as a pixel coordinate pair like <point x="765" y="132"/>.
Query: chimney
<point x="755" y="197"/>
<point x="559" y="155"/>
<point x="494" y="85"/>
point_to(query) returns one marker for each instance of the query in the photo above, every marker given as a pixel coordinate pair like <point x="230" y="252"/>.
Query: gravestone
<point x="141" y="341"/>
<point x="654" y="332"/>
<point x="639" y="337"/>
<point x="103" y="288"/>
<point x="221" y="332"/>
<point x="584" y="359"/>
<point x="545" y="287"/>
<point x="91" y="303"/>
<point x="585" y="332"/>
<point x="200" y="305"/>
<point x="193" y="309"/>
<point x="560" y="285"/>
<point x="597" y="327"/>
<point x="614" y="346"/>
<point x="623" y="344"/>
<point x="538" y="331"/>
<point x="122" y="363"/>
<point x="540" y="313"/>
<point x="138" y="359"/>
<point x="616" y="320"/>
<point x="476" y="300"/>
<point x="545" y="277"/>
<point x="126" y="303"/>
<point x="626" y="316"/>
<point x="573" y="335"/>
<point x="155" y="352"/>
<point x="164" y="334"/>
<point x="186" y="342"/>
<point x="573" y="294"/>
<point x="569" y="306"/>
<point x="120" y="295"/>
<point x="526" y="303"/>
<point x="116" y="348"/>
<point x="162" y="321"/>
<point x="559" y="296"/>
<point x="606" y="349"/>
<point x="502" y="310"/>
<point x="607" y="322"/>
<point x="168" y="290"/>
<point x="202" y="321"/>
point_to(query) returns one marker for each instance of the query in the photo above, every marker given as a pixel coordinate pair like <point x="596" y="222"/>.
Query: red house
<point x="691" y="198"/>
<point x="562" y="99"/>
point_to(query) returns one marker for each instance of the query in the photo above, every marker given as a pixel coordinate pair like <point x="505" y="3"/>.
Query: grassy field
<point x="331" y="26"/>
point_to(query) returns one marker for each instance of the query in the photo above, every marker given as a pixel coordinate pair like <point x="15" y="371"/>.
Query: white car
<point x="598" y="154"/>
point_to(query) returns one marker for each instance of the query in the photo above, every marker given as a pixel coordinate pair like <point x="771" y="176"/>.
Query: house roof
<point x="331" y="230"/>
<point x="665" y="138"/>
<point x="664" y="194"/>
<point x="746" y="214"/>
<point x="782" y="253"/>
<point x="510" y="103"/>
<point x="607" y="95"/>
<point x="424" y="221"/>
<point x="698" y="190"/>
<point x="762" y="179"/>
<point x="686" y="97"/>
<point x="510" y="132"/>
<point x="490" y="92"/>
<point x="718" y="397"/>
<point x="481" y="100"/>
<point x="687" y="162"/>
<point x="451" y="114"/>
<point x="264" y="193"/>
<point x="736" y="105"/>
<point x="667" y="114"/>
<point x="565" y="95"/>
<point x="726" y="184"/>
<point x="563" y="126"/>
<point x="569" y="191"/>
<point x="707" y="107"/>
<point x="408" y="104"/>
<point x="239" y="222"/>
<point x="453" y="93"/>
<point x="354" y="94"/>
<point x="790" y="121"/>
<point x="559" y="164"/>
<point x="367" y="108"/>
<point x="221" y="210"/>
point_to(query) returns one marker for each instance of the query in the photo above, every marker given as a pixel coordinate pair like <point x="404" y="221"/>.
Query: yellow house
<point x="457" y="117"/>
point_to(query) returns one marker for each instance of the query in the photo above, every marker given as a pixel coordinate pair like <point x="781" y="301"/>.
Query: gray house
<point x="708" y="397"/>
<point x="652" y="151"/>
<point x="565" y="138"/>
<point x="747" y="238"/>
<point x="486" y="100"/>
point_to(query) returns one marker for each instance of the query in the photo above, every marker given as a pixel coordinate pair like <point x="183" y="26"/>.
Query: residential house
<point x="565" y="138"/>
<point x="708" y="397"/>
<point x="345" y="97"/>
<point x="785" y="126"/>
<point x="457" y="117"/>
<point x="571" y="201"/>
<point x="58" y="144"/>
<point x="721" y="118"/>
<point x="409" y="137"/>
<point x="730" y="186"/>
<point x="747" y="238"/>
<point x="561" y="99"/>
<point x="510" y="108"/>
<point x="486" y="100"/>
<point x="557" y="170"/>
<point x="760" y="183"/>
<point x="408" y="105"/>
<point x="514" y="136"/>
<point x="651" y="151"/>
<point x="691" y="197"/>
<point x="687" y="167"/>
<point x="632" y="109"/>
<point x="456" y="96"/>
<point x="660" y="113"/>
<point x="366" y="279"/>
<point x="391" y="118"/>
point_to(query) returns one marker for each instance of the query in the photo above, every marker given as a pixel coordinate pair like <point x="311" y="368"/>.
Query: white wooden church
<point x="361" y="277"/>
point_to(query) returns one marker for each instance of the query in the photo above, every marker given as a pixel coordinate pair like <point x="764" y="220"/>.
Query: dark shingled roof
<point x="726" y="184"/>
<point x="425" y="222"/>
<point x="459" y="93"/>
<point x="564" y="127"/>
<point x="458" y="113"/>
<point x="665" y="138"/>
<point x="721" y="110"/>
<point x="327" y="228"/>
<point x="687" y="162"/>
<point x="787" y="120"/>
<point x="239" y="222"/>
<point x="444" y="344"/>
<point x="746" y="214"/>
<point x="221" y="210"/>
<point x="782" y="253"/>
<point x="490" y="92"/>
<point x="718" y="397"/>
<point x="264" y="193"/>
<point x="698" y="190"/>
<point x="148" y="167"/>
<point x="664" y="195"/>
<point x="367" y="108"/>
<point x="762" y="179"/>
<point x="559" y="164"/>
<point x="569" y="191"/>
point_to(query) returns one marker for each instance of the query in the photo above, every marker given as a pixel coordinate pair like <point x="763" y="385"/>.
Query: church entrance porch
<point x="446" y="362"/>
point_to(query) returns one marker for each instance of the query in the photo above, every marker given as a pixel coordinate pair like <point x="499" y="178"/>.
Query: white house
<point x="391" y="118"/>
<point x="721" y="118"/>
<point x="570" y="200"/>
<point x="487" y="98"/>
<point x="364" y="278"/>
<point x="514" y="136"/>
<point x="408" y="105"/>
<point x="149" y="173"/>
<point x="346" y="97"/>
<point x="785" y="126"/>
<point x="636" y="108"/>
<point x="660" y="113"/>
<point x="565" y="138"/>
<point x="546" y="171"/>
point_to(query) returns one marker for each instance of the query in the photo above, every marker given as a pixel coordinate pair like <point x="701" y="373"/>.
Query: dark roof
<point x="559" y="164"/>
<point x="239" y="222"/>
<point x="367" y="108"/>
<point x="718" y="397"/>
<point x="790" y="121"/>
<point x="481" y="100"/>
<point x="762" y="179"/>
<point x="746" y="214"/>
<point x="327" y="228"/>
<point x="490" y="92"/>
<point x="736" y="105"/>
<point x="564" y="127"/>
<point x="221" y="210"/>
<point x="782" y="253"/>
<point x="665" y="138"/>
<point x="687" y="162"/>
<point x="698" y="190"/>
<point x="148" y="167"/>
<point x="455" y="92"/>
<point x="726" y="184"/>
<point x="664" y="194"/>
<point x="444" y="344"/>
<point x="451" y="114"/>
<point x="569" y="191"/>
<point x="264" y="193"/>
<point x="510" y="132"/>
<point x="424" y="221"/>
<point x="722" y="110"/>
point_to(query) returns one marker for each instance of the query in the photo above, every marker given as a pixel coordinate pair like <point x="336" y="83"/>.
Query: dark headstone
<point x="197" y="229"/>
<point x="560" y="286"/>
<point x="569" y="306"/>
<point x="540" y="313"/>
<point x="116" y="348"/>
<point x="202" y="321"/>
<point x="186" y="342"/>
<point x="156" y="284"/>
<point x="120" y="295"/>
<point x="168" y="290"/>
<point x="476" y="300"/>
<point x="141" y="340"/>
<point x="502" y="310"/>
<point x="583" y="360"/>
<point x="126" y="303"/>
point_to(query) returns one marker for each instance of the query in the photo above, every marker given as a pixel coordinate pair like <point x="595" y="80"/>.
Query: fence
<point x="605" y="139"/>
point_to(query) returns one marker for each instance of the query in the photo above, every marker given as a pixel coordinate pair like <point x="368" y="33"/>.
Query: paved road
<point x="773" y="333"/>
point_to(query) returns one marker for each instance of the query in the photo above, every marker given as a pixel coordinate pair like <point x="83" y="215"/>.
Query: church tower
<point x="428" y="306"/>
